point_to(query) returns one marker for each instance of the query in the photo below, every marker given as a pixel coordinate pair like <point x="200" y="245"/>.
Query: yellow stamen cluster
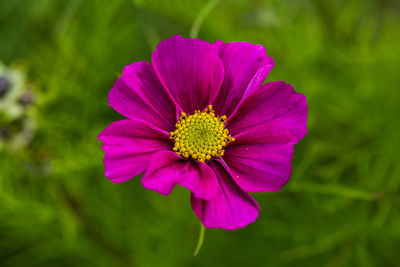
<point x="201" y="135"/>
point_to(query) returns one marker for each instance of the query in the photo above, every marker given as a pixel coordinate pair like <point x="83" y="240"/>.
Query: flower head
<point x="200" y="117"/>
<point x="17" y="125"/>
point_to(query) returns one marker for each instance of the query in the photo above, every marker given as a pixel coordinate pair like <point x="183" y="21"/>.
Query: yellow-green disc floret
<point x="201" y="136"/>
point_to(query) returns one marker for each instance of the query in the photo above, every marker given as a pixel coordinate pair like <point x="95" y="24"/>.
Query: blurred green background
<point x="341" y="206"/>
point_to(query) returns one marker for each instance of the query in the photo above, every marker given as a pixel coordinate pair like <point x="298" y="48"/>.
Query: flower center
<point x="201" y="135"/>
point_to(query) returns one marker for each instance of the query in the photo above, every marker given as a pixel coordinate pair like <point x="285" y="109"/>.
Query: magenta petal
<point x="230" y="208"/>
<point x="266" y="126"/>
<point x="246" y="67"/>
<point x="128" y="147"/>
<point x="190" y="71"/>
<point x="275" y="104"/>
<point x="139" y="95"/>
<point x="167" y="169"/>
<point x="259" y="159"/>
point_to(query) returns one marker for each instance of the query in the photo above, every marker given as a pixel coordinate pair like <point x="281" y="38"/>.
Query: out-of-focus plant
<point x="17" y="120"/>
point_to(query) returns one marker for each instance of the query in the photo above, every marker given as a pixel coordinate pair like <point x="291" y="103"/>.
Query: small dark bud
<point x="26" y="99"/>
<point x="4" y="86"/>
<point x="5" y="133"/>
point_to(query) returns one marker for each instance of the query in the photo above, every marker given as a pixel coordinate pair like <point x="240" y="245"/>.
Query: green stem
<point x="201" y="239"/>
<point x="203" y="13"/>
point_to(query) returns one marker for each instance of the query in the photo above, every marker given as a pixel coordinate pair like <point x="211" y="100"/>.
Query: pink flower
<point x="200" y="117"/>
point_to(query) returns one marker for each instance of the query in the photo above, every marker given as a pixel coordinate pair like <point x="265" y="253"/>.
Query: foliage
<point x="341" y="207"/>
